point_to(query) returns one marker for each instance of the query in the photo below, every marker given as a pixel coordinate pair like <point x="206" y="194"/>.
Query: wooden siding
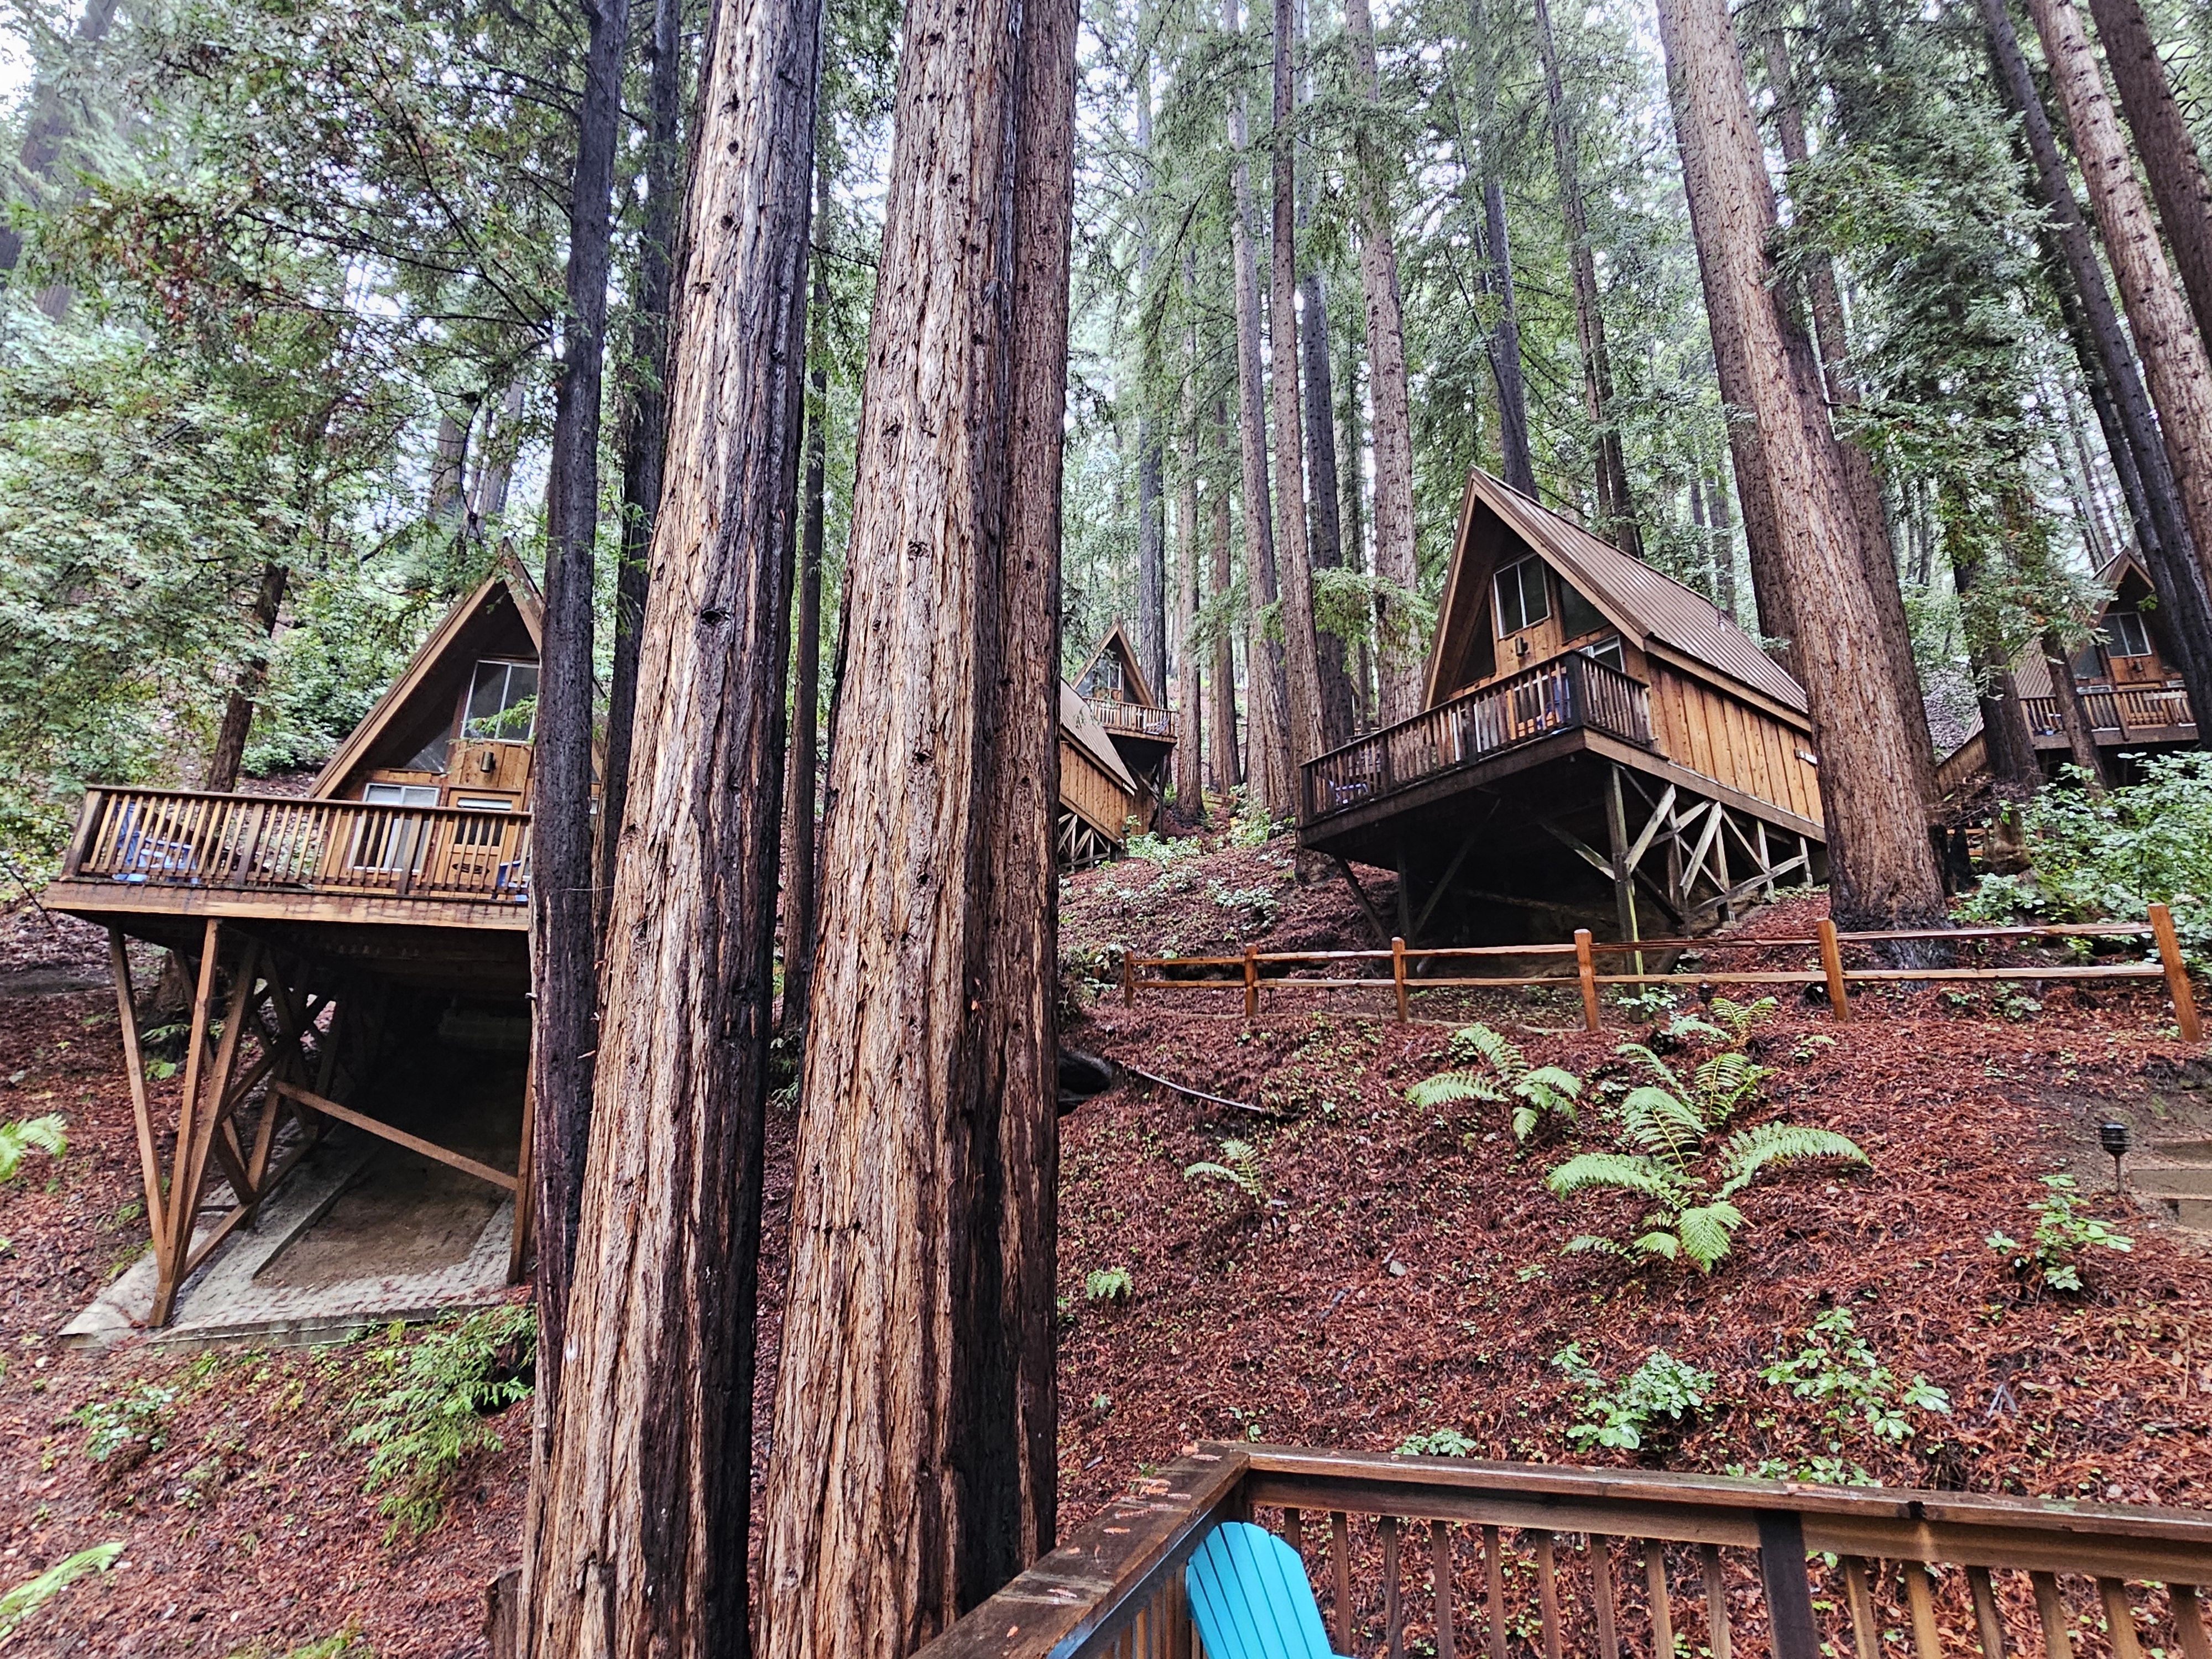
<point x="1701" y="727"/>
<point x="1084" y="788"/>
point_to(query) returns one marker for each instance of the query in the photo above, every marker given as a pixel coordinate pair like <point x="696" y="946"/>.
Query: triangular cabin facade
<point x="2129" y="685"/>
<point x="1098" y="794"/>
<point x="1115" y="688"/>
<point x="333" y="939"/>
<point x="1602" y="747"/>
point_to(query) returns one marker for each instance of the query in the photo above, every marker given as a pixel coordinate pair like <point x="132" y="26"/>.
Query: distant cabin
<point x="1601" y="746"/>
<point x="1135" y="716"/>
<point x="1098" y="794"/>
<point x="2130" y="687"/>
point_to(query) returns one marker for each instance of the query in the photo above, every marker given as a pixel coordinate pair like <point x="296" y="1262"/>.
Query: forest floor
<point x="1381" y="1272"/>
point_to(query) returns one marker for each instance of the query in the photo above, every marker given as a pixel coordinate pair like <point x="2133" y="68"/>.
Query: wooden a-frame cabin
<point x="1602" y="747"/>
<point x="327" y="934"/>
<point x="1142" y="727"/>
<point x="1098" y="794"/>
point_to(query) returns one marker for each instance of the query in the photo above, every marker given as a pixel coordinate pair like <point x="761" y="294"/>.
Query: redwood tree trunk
<point x="1228" y="767"/>
<point x="1190" y="689"/>
<point x="800" y="918"/>
<point x="1515" y="458"/>
<point x="1152" y="540"/>
<point x="1882" y="869"/>
<point x="2173" y="355"/>
<point x="229" y="754"/>
<point x="2165" y="147"/>
<point x="564" y="945"/>
<point x="636" y="1541"/>
<point x="1397" y="662"/>
<point x="914" y="1453"/>
<point x="645" y="428"/>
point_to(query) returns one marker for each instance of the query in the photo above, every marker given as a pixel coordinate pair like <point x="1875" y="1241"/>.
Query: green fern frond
<point x="44" y="1134"/>
<point x="1723" y="1082"/>
<point x="1662" y="1123"/>
<point x="1590" y="1244"/>
<point x="1551" y="1087"/>
<point x="1705" y="1232"/>
<point x="1659" y="1244"/>
<point x="1449" y="1088"/>
<point x="1525" y="1119"/>
<point x="1480" y="1041"/>
<point x="1620" y="1171"/>
<point x="1750" y="1151"/>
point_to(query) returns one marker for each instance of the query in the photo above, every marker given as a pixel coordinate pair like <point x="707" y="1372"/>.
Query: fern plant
<point x="1492" y="1069"/>
<point x="42" y="1134"/>
<point x="429" y="1414"/>
<point x="1239" y="1165"/>
<point x="1667" y="1156"/>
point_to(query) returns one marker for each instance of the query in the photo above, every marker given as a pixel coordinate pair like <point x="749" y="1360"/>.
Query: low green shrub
<point x="27" y="1597"/>
<point x="18" y="1140"/>
<point x="1438" y="1443"/>
<point x="2053" y="1257"/>
<point x="429" y="1414"/>
<point x="1837" y="1369"/>
<point x="1661" y="1396"/>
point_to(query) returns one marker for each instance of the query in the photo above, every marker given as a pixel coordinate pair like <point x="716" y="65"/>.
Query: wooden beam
<point x="1657" y="821"/>
<point x="182" y="1203"/>
<point x="150" y="1160"/>
<point x="1575" y="846"/>
<point x="498" y="1178"/>
<point x="526" y="1179"/>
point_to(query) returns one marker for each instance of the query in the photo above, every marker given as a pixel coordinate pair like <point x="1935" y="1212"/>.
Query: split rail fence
<point x="1407" y="968"/>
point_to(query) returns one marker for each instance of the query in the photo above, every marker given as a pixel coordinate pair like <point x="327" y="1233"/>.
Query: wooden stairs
<point x="2180" y="1180"/>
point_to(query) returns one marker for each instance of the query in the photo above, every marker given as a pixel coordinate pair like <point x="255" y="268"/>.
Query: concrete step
<point x="2195" y="1213"/>
<point x="2173" y="1179"/>
<point x="2183" y="1151"/>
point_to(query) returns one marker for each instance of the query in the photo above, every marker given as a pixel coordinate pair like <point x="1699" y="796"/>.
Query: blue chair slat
<point x="1250" y="1599"/>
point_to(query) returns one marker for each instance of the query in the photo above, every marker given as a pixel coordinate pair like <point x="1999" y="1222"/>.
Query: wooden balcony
<point x="2119" y="714"/>
<point x="173" y="849"/>
<point x="1561" y="694"/>
<point x="1447" y="1556"/>
<point x="1131" y="719"/>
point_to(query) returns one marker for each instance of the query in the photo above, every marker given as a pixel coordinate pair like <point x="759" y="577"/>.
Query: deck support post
<point x="1623" y="873"/>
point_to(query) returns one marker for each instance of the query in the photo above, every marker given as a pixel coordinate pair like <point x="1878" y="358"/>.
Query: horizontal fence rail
<point x="171" y="838"/>
<point x="1558" y="694"/>
<point x="1133" y="719"/>
<point x="2123" y="709"/>
<point x="1446" y="1556"/>
<point x="1404" y="971"/>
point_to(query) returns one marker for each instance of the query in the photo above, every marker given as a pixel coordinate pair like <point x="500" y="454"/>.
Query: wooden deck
<point x="1450" y="1556"/>
<point x="2119" y="714"/>
<point x="1129" y="720"/>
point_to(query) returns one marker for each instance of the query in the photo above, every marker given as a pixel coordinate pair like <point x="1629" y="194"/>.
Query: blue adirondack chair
<point x="1249" y="1597"/>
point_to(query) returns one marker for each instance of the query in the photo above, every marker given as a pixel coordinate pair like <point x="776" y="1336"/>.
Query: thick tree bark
<point x="2008" y="744"/>
<point x="1151" y="548"/>
<point x="1228" y="766"/>
<point x="914" y="1461"/>
<point x="1882" y="869"/>
<point x="503" y="434"/>
<point x="1723" y="541"/>
<point x="637" y="1534"/>
<point x="449" y="472"/>
<point x="1301" y="649"/>
<point x="229" y="752"/>
<point x="1397" y="665"/>
<point x="800" y="912"/>
<point x="645" y="424"/>
<point x="1826" y="303"/>
<point x="1266" y="728"/>
<point x="2073" y="718"/>
<point x="1515" y="458"/>
<point x="1616" y="510"/>
<point x="2173" y="355"/>
<point x="563" y="946"/>
<point x="2163" y="530"/>
<point x="2165" y="146"/>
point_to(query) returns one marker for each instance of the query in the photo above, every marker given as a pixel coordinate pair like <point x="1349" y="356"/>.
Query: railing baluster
<point x="2119" y="1618"/>
<point x="1547" y="1594"/>
<point x="1866" y="1633"/>
<point x="1494" y="1577"/>
<point x="1986" y="1617"/>
<point x="1716" y="1612"/>
<point x="1294" y="1532"/>
<point x="1662" y="1611"/>
<point x="1339" y="1561"/>
<point x="1393" y="1622"/>
<point x="1440" y="1583"/>
<point x="1920" y="1593"/>
<point x="1789" y="1592"/>
<point x="1608" y="1632"/>
<point x="2050" y="1609"/>
<point x="2189" y="1622"/>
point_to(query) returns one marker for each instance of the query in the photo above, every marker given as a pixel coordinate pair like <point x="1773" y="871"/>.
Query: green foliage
<point x="428" y="1413"/>
<point x="1108" y="1284"/>
<point x="1438" y="1443"/>
<point x="1239" y="1166"/>
<point x="1725" y="1021"/>
<point x="27" y="1597"/>
<point x="1660" y="1396"/>
<point x="1165" y="851"/>
<point x="1650" y="1003"/>
<point x="2109" y="857"/>
<point x="43" y="1134"/>
<point x="1492" y="1069"/>
<point x="136" y="1421"/>
<point x="1837" y="1369"/>
<point x="2053" y="1257"/>
<point x="1665" y="1155"/>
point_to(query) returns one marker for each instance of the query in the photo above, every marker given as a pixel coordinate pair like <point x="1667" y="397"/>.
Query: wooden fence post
<point x="1251" y="982"/>
<point x="1128" y="980"/>
<point x="1831" y="963"/>
<point x="1398" y="974"/>
<point x="2177" y="974"/>
<point x="1586" y="970"/>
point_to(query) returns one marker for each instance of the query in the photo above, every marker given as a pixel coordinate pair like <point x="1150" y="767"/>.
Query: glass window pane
<point x="2129" y="637"/>
<point x="486" y="698"/>
<point x="521" y="687"/>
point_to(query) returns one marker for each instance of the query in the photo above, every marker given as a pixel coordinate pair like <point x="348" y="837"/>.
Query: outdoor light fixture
<point x="2113" y="1136"/>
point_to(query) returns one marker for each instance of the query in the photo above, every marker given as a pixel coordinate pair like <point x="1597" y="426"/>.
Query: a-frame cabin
<point x="1125" y="702"/>
<point x="2129" y="689"/>
<point x="329" y="934"/>
<point x="1602" y="747"/>
<point x="1098" y="795"/>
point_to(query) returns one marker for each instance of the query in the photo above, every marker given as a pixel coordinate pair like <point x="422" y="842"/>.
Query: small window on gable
<point x="1606" y="651"/>
<point x="503" y="702"/>
<point x="2088" y="663"/>
<point x="1577" y="616"/>
<point x="2129" y="637"/>
<point x="1522" y="599"/>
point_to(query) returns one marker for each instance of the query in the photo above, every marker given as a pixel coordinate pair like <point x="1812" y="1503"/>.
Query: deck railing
<point x="1556" y="696"/>
<point x="176" y="838"/>
<point x="1133" y="720"/>
<point x="2125" y="710"/>
<point x="1443" y="1555"/>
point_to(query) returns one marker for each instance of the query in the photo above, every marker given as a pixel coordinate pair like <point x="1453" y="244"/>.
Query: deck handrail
<point x="1564" y="693"/>
<point x="1132" y="718"/>
<point x="2126" y="709"/>
<point x="186" y="838"/>
<point x="1114" y="1588"/>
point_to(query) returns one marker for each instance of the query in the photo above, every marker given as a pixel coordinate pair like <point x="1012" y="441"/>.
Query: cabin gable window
<point x="1578" y="617"/>
<point x="503" y="702"/>
<point x="1105" y="679"/>
<point x="1606" y="651"/>
<point x="1522" y="599"/>
<point x="2131" y="638"/>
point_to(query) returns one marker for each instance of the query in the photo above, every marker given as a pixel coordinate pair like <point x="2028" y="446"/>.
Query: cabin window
<point x="1578" y="617"/>
<point x="1605" y="651"/>
<point x="394" y="841"/>
<point x="431" y="758"/>
<point x="2088" y="663"/>
<point x="503" y="702"/>
<point x="1522" y="599"/>
<point x="1105" y="680"/>
<point x="2129" y="637"/>
<point x="485" y="830"/>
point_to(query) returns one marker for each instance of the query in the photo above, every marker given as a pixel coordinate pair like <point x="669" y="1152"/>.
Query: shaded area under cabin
<point x="1602" y="747"/>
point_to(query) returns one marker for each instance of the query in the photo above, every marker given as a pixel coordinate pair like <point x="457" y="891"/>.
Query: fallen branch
<point x="1201" y="1094"/>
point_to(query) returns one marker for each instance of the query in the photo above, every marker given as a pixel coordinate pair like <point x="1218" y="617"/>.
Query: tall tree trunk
<point x="503" y="434"/>
<point x="1503" y="346"/>
<point x="2173" y="355"/>
<point x="1301" y="649"/>
<point x="1826" y="303"/>
<point x="1228" y="767"/>
<point x="916" y="1419"/>
<point x="1723" y="541"/>
<point x="1882" y="869"/>
<point x="229" y="752"/>
<point x="563" y="946"/>
<point x="1190" y="689"/>
<point x="800" y="918"/>
<point x="449" y="470"/>
<point x="1397" y="665"/>
<point x="2165" y="146"/>
<point x="1352" y="521"/>
<point x="1266" y="729"/>
<point x="1151" y="550"/>
<point x="2073" y="717"/>
<point x="2007" y="741"/>
<point x="645" y="426"/>
<point x="1616" y="510"/>
<point x="2163" y="530"/>
<point x="51" y="122"/>
<point x="639" y="1513"/>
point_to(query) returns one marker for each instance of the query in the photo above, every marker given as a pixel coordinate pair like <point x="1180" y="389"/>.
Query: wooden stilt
<point x="175" y="1239"/>
<point x="203" y="1105"/>
<point x="1623" y="873"/>
<point x="134" y="1062"/>
<point x="526" y="1179"/>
